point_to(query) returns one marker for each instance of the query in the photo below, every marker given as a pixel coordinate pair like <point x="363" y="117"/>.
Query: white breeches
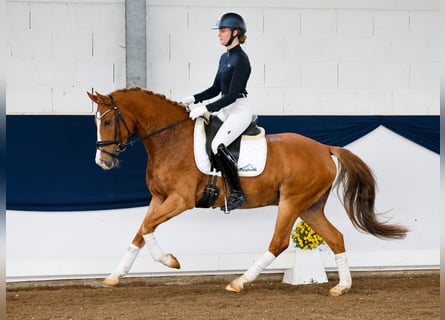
<point x="236" y="118"/>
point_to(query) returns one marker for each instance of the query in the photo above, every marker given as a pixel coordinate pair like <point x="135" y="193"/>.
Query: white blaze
<point x="97" y="159"/>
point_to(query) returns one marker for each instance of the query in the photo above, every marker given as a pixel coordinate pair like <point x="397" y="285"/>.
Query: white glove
<point x="187" y="101"/>
<point x="198" y="111"/>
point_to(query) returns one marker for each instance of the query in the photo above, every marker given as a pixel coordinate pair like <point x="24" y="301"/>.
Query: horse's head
<point x="112" y="131"/>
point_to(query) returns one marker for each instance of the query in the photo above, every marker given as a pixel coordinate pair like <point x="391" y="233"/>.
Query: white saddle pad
<point x="252" y="158"/>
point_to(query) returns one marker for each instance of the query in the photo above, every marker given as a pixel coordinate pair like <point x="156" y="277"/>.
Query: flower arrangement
<point x="305" y="238"/>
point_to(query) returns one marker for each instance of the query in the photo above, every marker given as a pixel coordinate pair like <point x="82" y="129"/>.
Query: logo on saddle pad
<point x="252" y="154"/>
<point x="247" y="168"/>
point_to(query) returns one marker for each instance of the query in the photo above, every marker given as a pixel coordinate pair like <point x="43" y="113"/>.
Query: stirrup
<point x="236" y="199"/>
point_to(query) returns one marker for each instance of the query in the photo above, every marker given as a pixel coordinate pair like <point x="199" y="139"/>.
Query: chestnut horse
<point x="298" y="178"/>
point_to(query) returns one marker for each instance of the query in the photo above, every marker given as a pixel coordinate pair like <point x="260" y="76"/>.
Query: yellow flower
<point x="305" y="237"/>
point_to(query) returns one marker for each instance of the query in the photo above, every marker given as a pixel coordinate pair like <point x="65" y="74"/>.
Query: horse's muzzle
<point x="106" y="160"/>
<point x="107" y="164"/>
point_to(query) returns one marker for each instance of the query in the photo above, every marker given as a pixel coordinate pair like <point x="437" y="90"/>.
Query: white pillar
<point x="307" y="268"/>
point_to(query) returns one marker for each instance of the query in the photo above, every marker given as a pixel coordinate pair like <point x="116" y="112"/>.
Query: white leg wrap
<point x="127" y="260"/>
<point x="155" y="251"/>
<point x="344" y="273"/>
<point x="259" y="266"/>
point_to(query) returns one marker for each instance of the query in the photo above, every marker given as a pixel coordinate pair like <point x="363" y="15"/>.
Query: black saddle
<point x="212" y="126"/>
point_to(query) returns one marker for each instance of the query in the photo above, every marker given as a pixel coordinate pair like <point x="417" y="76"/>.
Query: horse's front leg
<point x="158" y="212"/>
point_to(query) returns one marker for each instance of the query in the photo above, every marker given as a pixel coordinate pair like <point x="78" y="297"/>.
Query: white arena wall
<point x="308" y="58"/>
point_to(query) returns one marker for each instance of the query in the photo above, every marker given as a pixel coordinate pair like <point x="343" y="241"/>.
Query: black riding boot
<point x="227" y="164"/>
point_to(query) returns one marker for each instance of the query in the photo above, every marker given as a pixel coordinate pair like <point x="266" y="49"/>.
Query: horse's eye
<point x="107" y="122"/>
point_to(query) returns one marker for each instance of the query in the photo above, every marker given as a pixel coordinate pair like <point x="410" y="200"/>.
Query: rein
<point x="170" y="126"/>
<point x="121" y="146"/>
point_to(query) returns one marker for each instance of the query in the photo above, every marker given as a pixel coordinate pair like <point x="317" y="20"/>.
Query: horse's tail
<point x="359" y="187"/>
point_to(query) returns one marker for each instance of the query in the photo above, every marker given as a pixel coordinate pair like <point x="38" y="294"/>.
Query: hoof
<point x="237" y="285"/>
<point x="338" y="290"/>
<point x="234" y="287"/>
<point x="110" y="282"/>
<point x="170" y="260"/>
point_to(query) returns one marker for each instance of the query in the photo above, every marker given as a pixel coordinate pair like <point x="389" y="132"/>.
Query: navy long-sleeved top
<point x="230" y="80"/>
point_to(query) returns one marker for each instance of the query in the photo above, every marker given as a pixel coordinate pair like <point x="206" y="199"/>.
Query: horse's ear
<point x="102" y="99"/>
<point x="99" y="98"/>
<point x="92" y="96"/>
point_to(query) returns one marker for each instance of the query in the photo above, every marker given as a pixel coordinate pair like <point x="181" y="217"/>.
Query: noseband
<point x="121" y="146"/>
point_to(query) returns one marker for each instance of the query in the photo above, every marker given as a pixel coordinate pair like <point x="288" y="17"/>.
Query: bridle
<point x="121" y="145"/>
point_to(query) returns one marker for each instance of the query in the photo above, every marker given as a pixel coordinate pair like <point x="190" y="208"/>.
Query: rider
<point x="232" y="107"/>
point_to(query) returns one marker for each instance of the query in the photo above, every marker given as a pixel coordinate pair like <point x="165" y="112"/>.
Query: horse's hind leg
<point x="316" y="218"/>
<point x="287" y="214"/>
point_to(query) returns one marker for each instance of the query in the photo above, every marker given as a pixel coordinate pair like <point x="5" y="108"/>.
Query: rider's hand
<point x="187" y="100"/>
<point x="198" y="111"/>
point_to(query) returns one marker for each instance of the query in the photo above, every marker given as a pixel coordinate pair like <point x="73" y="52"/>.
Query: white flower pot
<point x="307" y="268"/>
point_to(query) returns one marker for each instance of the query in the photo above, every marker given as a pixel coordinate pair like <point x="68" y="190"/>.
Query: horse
<point x="298" y="177"/>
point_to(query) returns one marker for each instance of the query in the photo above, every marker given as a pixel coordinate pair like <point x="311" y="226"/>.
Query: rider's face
<point x="224" y="35"/>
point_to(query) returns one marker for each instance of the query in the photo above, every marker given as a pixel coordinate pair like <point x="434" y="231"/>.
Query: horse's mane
<point x="148" y="92"/>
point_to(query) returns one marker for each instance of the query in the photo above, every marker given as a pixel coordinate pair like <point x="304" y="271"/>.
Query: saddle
<point x="211" y="128"/>
<point x="256" y="148"/>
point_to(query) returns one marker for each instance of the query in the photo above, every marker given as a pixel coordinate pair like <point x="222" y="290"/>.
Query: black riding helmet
<point x="233" y="21"/>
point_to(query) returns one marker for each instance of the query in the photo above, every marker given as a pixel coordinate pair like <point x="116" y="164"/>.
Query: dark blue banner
<point x="50" y="159"/>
